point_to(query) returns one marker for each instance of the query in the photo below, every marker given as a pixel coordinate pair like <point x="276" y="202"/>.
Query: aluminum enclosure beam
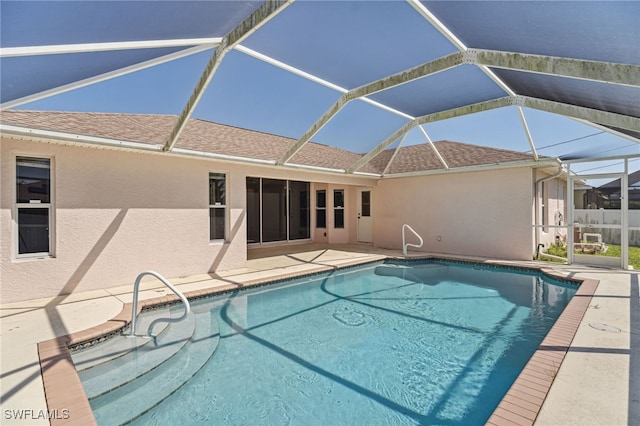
<point x="12" y="52"/>
<point x="293" y="70"/>
<point x="607" y="130"/>
<point x="437" y="24"/>
<point x="528" y="133"/>
<point x="103" y="77"/>
<point x="466" y="110"/>
<point x="420" y="71"/>
<point x="442" y="115"/>
<point x="606" y="72"/>
<point x="597" y="116"/>
<point x="433" y="147"/>
<point x="575" y="68"/>
<point x="313" y="78"/>
<point x="449" y="35"/>
<point x="258" y="18"/>
<point x="446" y="32"/>
<point x="395" y="152"/>
<point x="381" y="146"/>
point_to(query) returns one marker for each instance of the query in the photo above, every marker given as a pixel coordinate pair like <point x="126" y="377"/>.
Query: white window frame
<point x="35" y="205"/>
<point x="324" y="208"/>
<point x="218" y="205"/>
<point x="336" y="208"/>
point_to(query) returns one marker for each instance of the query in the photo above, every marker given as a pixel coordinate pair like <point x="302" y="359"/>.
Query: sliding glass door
<point x="274" y="210"/>
<point x="253" y="210"/>
<point x="277" y="210"/>
<point x="299" y="213"/>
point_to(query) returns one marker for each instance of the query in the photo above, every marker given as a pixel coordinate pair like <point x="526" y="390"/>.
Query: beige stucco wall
<point x="115" y="215"/>
<point x="118" y="213"/>
<point x="482" y="213"/>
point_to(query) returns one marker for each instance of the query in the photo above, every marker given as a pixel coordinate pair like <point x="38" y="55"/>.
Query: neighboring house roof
<point x="205" y="136"/>
<point x="612" y="189"/>
<point x="614" y="186"/>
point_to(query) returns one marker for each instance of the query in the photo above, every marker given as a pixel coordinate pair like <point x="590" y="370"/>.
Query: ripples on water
<point x="378" y="345"/>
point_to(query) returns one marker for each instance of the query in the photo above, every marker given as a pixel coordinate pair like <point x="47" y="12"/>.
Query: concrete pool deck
<point x="598" y="382"/>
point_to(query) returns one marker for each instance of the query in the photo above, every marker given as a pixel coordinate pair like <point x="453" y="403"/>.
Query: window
<point x="338" y="208"/>
<point x="33" y="206"/>
<point x="365" y="203"/>
<point x="321" y="209"/>
<point x="217" y="206"/>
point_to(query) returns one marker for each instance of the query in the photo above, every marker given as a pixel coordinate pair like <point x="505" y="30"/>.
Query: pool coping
<point x="520" y="405"/>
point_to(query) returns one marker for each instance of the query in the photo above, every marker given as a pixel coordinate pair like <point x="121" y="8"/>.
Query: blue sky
<point x="278" y="103"/>
<point x="249" y="93"/>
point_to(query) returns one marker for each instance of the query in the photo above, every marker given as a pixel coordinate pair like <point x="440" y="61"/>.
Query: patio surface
<point x="598" y="382"/>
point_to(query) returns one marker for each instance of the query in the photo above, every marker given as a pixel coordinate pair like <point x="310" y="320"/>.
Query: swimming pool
<point x="386" y="343"/>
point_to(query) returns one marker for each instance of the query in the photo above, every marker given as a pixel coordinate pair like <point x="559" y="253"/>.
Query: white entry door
<point x="365" y="233"/>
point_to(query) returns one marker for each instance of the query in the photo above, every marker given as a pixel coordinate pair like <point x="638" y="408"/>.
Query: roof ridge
<point x="202" y="120"/>
<point x="154" y="128"/>
<point x="241" y="128"/>
<point x="268" y="133"/>
<point x="483" y="147"/>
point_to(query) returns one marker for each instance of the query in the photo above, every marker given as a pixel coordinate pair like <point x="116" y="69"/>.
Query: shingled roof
<point x="206" y="136"/>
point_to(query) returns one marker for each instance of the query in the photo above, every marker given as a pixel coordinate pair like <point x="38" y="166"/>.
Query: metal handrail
<point x="136" y="287"/>
<point x="405" y="244"/>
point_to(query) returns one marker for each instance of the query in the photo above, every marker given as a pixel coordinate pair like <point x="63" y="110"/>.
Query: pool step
<point x="119" y="346"/>
<point x="130" y="401"/>
<point x="138" y="361"/>
<point x="423" y="274"/>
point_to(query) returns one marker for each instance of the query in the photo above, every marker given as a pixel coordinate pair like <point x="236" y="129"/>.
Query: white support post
<point x="435" y="150"/>
<point x="528" y="133"/>
<point x="570" y="217"/>
<point x="624" y="207"/>
<point x="395" y="152"/>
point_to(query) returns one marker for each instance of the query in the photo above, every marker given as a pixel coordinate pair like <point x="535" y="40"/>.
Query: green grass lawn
<point x="612" y="251"/>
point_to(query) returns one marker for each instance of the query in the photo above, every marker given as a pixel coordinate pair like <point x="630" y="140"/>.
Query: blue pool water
<point x="429" y="343"/>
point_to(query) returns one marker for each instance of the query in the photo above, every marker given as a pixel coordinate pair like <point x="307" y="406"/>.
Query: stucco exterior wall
<point x="483" y="213"/>
<point x="118" y="213"/>
<point x="115" y="215"/>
